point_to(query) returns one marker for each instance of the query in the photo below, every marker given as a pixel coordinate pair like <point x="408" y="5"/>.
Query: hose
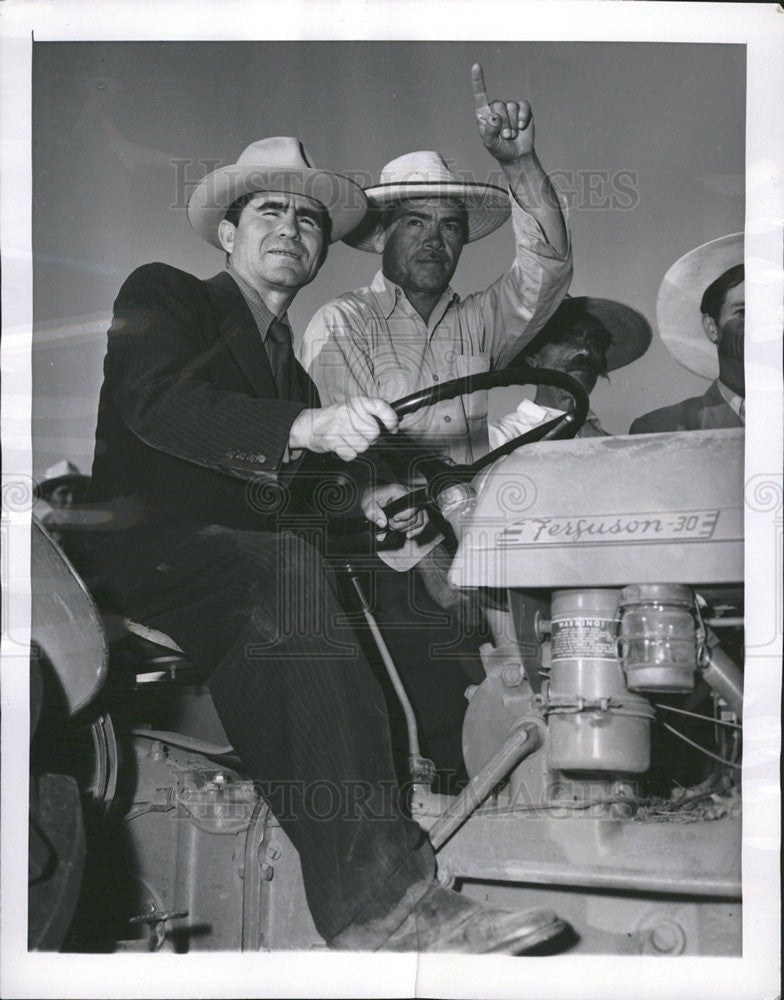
<point x="389" y="663"/>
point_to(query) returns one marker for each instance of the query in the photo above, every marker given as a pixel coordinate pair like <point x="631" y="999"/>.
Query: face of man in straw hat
<point x="724" y="323"/>
<point x="580" y="352"/>
<point x="423" y="240"/>
<point x="279" y="241"/>
<point x="727" y="330"/>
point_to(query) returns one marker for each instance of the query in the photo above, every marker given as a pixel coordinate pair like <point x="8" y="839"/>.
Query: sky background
<point x="646" y="141"/>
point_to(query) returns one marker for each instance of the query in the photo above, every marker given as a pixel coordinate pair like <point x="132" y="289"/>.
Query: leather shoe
<point x="443" y="920"/>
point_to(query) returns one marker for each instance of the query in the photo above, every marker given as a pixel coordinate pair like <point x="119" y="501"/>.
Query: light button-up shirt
<point x="373" y="342"/>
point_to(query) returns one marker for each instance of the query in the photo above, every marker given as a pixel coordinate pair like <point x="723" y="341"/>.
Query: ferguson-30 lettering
<point x="686" y="525"/>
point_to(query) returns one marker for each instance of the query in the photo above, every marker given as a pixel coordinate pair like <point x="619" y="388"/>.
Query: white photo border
<point x="754" y="976"/>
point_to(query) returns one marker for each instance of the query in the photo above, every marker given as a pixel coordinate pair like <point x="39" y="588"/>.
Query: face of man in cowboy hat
<point x="278" y="242"/>
<point x="723" y="310"/>
<point x="729" y="329"/>
<point x="586" y="337"/>
<point x="63" y="485"/>
<point x="579" y="350"/>
<point x="422" y="241"/>
<point x="278" y="164"/>
<point x="63" y="495"/>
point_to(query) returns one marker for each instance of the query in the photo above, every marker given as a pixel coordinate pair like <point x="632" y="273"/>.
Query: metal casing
<point x="658" y="508"/>
<point x="65" y="622"/>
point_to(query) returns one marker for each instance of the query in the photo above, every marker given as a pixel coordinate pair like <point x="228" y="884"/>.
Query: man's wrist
<point x="521" y="165"/>
<point x="520" y="161"/>
<point x="300" y="431"/>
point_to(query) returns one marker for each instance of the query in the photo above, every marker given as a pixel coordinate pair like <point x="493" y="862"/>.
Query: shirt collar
<point x="736" y="403"/>
<point x="258" y="307"/>
<point x="388" y="294"/>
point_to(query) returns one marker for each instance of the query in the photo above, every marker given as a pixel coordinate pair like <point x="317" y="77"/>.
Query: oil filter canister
<point x="594" y="723"/>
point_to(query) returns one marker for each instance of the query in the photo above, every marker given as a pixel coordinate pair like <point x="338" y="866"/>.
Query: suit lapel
<point x="717" y="412"/>
<point x="239" y="333"/>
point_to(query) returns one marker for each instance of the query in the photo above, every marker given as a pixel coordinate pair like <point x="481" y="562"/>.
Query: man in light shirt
<point x="409" y="330"/>
<point x="701" y="315"/>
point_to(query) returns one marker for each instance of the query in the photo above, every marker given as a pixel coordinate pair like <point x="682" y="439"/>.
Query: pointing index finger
<point x="478" y="85"/>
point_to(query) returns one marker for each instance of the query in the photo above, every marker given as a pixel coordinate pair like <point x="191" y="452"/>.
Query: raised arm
<point x="506" y="128"/>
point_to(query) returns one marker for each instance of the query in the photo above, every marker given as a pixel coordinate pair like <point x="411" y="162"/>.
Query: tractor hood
<point x="658" y="508"/>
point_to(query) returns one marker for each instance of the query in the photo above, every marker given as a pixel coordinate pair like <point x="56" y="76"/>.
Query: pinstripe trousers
<point x="259" y="613"/>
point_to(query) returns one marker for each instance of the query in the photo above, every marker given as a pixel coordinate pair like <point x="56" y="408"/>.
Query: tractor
<point x="602" y="747"/>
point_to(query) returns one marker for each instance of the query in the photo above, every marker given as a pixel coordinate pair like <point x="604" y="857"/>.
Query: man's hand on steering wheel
<point x="410" y="522"/>
<point x="347" y="429"/>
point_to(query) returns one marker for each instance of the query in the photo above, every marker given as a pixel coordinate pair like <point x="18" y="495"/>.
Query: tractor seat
<point x="152" y="635"/>
<point x="160" y="649"/>
<point x="174" y="697"/>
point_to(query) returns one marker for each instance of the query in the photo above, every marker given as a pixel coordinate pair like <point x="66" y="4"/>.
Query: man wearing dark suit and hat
<point x="701" y="315"/>
<point x="203" y="414"/>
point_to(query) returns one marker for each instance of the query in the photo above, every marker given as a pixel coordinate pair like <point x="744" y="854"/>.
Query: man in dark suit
<point x="204" y="414"/>
<point x="701" y="314"/>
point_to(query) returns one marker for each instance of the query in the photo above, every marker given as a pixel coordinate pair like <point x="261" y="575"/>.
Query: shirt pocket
<point x="475" y="403"/>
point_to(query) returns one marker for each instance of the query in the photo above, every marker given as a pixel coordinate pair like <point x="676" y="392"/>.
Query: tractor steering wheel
<point x="439" y="473"/>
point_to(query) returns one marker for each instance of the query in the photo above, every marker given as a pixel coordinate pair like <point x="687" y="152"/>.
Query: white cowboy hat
<point x="280" y="163"/>
<point x="678" y="302"/>
<point x="630" y="331"/>
<point x="58" y="474"/>
<point x="424" y="174"/>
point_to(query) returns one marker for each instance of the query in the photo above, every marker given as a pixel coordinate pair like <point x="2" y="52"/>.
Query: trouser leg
<point x="300" y="705"/>
<point x="437" y="659"/>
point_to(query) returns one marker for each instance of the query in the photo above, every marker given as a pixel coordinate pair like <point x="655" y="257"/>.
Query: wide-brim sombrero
<point x="425" y="174"/>
<point x="678" y="303"/>
<point x="630" y="331"/>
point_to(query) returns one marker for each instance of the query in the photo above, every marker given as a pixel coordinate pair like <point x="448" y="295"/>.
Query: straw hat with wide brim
<point x="424" y="174"/>
<point x="678" y="303"/>
<point x="630" y="331"/>
<point x="281" y="164"/>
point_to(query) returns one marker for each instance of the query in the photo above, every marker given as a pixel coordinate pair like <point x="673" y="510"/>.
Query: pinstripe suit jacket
<point x="190" y="426"/>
